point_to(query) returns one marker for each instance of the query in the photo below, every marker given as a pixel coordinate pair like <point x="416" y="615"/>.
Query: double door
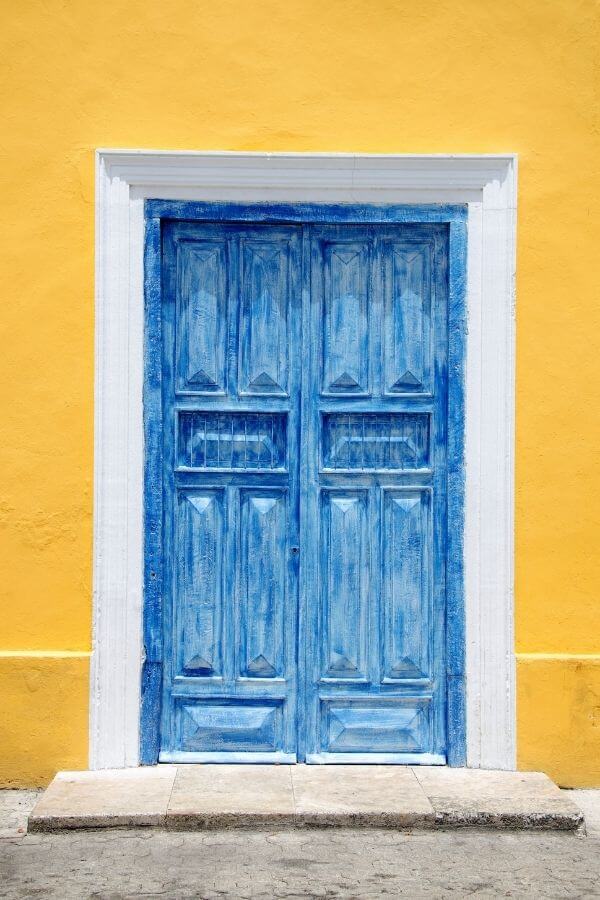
<point x="303" y="531"/>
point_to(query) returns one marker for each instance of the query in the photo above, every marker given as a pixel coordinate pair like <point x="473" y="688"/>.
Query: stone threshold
<point x="195" y="797"/>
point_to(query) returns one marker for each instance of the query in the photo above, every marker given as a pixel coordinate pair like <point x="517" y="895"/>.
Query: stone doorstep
<point x="193" y="797"/>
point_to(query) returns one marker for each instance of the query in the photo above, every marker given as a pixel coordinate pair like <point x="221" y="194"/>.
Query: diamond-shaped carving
<point x="340" y="663"/>
<point x="201" y="503"/>
<point x="263" y="504"/>
<point x="408" y="380"/>
<point x="344" y="503"/>
<point x="406" y="668"/>
<point x="261" y="667"/>
<point x="345" y="256"/>
<point x="336" y="728"/>
<point x="412" y="257"/>
<point x="266" y="254"/>
<point x="203" y="380"/>
<point x="199" y="665"/>
<point x="204" y="255"/>
<point x="406" y="502"/>
<point x="344" y="382"/>
<point x="264" y="380"/>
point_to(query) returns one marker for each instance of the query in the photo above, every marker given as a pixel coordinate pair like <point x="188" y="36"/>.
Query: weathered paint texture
<point x="466" y="76"/>
<point x="305" y="442"/>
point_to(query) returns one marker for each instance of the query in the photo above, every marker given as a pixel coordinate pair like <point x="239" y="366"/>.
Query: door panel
<point x="406" y="575"/>
<point x="304" y="436"/>
<point x="249" y="441"/>
<point x="407" y="322"/>
<point x="264" y="314"/>
<point x="364" y="726"/>
<point x="344" y="577"/>
<point x="344" y="268"/>
<point x="375" y="441"/>
<point x="202" y="316"/>
<point x="263" y="589"/>
<point x="228" y="727"/>
<point x="199" y="597"/>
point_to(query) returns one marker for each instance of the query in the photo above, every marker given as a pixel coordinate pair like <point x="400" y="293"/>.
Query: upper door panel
<point x="233" y="307"/>
<point x="374" y="290"/>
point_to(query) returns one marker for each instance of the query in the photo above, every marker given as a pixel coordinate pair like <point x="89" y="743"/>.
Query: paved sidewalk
<point x="213" y="796"/>
<point x="295" y="864"/>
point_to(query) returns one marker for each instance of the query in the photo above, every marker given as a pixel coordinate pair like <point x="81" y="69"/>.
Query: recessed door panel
<point x="364" y="726"/>
<point x="202" y="273"/>
<point x="263" y="582"/>
<point x="375" y="441"/>
<point x="264" y="315"/>
<point x="407" y="335"/>
<point x="248" y="441"/>
<point x="199" y="596"/>
<point x="229" y="727"/>
<point x="344" y="577"/>
<point x="407" y="582"/>
<point x="344" y="271"/>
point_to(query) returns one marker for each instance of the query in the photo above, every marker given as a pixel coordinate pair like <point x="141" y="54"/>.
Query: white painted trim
<point x="488" y="184"/>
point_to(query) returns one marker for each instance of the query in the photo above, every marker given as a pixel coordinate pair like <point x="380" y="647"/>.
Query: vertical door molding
<point x="124" y="179"/>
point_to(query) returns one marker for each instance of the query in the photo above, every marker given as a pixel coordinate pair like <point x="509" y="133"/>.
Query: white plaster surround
<point x="487" y="183"/>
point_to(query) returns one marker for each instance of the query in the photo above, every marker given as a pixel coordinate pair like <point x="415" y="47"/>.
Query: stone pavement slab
<point x="388" y="796"/>
<point x="224" y="796"/>
<point x="213" y="796"/>
<point x="105" y="798"/>
<point x="476" y="797"/>
<point x="15" y="807"/>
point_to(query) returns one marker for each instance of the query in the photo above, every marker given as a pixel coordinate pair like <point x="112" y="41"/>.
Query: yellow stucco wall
<point x="465" y="76"/>
<point x="43" y="715"/>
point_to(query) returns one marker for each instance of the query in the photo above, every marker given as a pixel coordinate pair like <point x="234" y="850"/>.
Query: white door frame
<point x="124" y="179"/>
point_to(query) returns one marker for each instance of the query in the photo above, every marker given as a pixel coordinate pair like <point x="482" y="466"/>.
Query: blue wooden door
<point x="301" y="430"/>
<point x="374" y="514"/>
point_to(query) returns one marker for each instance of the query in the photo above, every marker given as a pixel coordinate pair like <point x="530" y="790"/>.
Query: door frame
<point x="487" y="185"/>
<point x="455" y="218"/>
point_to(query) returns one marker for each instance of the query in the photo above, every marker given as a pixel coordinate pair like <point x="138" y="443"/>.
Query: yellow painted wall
<point x="465" y="76"/>
<point x="43" y="715"/>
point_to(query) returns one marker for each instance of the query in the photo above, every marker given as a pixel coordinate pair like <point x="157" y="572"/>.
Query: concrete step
<point x="230" y="796"/>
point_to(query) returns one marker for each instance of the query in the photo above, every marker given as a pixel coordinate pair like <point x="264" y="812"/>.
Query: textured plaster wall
<point x="355" y="75"/>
